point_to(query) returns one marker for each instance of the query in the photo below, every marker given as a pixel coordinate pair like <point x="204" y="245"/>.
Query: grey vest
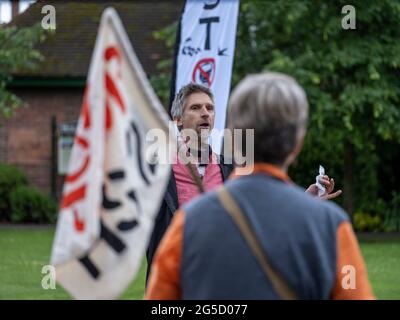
<point x="298" y="233"/>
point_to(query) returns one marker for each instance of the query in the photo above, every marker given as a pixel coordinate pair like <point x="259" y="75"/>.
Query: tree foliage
<point x="162" y="81"/>
<point x="350" y="76"/>
<point x="16" y="53"/>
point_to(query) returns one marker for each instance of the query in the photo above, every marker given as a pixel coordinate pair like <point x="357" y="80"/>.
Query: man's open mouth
<point x="204" y="125"/>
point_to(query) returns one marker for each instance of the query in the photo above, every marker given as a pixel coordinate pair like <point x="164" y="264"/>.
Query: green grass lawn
<point x="23" y="253"/>
<point x="383" y="264"/>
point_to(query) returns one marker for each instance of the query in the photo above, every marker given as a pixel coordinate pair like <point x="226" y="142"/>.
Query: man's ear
<point x="178" y="121"/>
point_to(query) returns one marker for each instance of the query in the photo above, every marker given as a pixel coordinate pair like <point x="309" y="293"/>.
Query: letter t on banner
<point x="206" y="36"/>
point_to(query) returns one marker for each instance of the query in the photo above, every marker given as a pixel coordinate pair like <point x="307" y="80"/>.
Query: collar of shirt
<point x="261" y="167"/>
<point x="190" y="152"/>
<point x="212" y="158"/>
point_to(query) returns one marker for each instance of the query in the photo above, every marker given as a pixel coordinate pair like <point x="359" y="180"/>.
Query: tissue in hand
<point x="321" y="188"/>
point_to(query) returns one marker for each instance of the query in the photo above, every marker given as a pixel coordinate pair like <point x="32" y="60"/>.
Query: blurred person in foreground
<point x="309" y="243"/>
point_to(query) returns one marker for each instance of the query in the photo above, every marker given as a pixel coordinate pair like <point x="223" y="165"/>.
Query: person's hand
<point x="329" y="185"/>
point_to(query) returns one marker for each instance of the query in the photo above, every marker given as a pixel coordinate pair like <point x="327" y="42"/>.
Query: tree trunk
<point x="348" y="178"/>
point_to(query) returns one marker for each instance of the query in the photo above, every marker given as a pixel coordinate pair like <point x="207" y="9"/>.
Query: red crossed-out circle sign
<point x="204" y="72"/>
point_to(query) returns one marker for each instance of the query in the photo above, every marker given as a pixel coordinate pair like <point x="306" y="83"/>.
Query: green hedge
<point x="10" y="178"/>
<point x="28" y="204"/>
<point x="21" y="203"/>
<point x="367" y="223"/>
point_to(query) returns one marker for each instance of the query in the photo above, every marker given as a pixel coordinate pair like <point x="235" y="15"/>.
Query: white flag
<point x="111" y="193"/>
<point x="206" y="50"/>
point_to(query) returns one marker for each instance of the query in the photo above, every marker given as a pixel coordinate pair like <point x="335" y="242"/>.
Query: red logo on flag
<point x="204" y="72"/>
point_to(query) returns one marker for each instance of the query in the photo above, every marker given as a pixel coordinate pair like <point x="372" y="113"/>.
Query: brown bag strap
<point x="279" y="284"/>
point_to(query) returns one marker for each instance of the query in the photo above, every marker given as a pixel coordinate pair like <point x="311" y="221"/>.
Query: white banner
<point x="206" y="50"/>
<point x="111" y="193"/>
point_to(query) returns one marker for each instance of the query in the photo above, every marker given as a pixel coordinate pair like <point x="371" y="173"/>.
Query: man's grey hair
<point x="276" y="107"/>
<point x="180" y="98"/>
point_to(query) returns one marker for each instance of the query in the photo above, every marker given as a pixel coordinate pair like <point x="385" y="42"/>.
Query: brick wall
<point x="26" y="139"/>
